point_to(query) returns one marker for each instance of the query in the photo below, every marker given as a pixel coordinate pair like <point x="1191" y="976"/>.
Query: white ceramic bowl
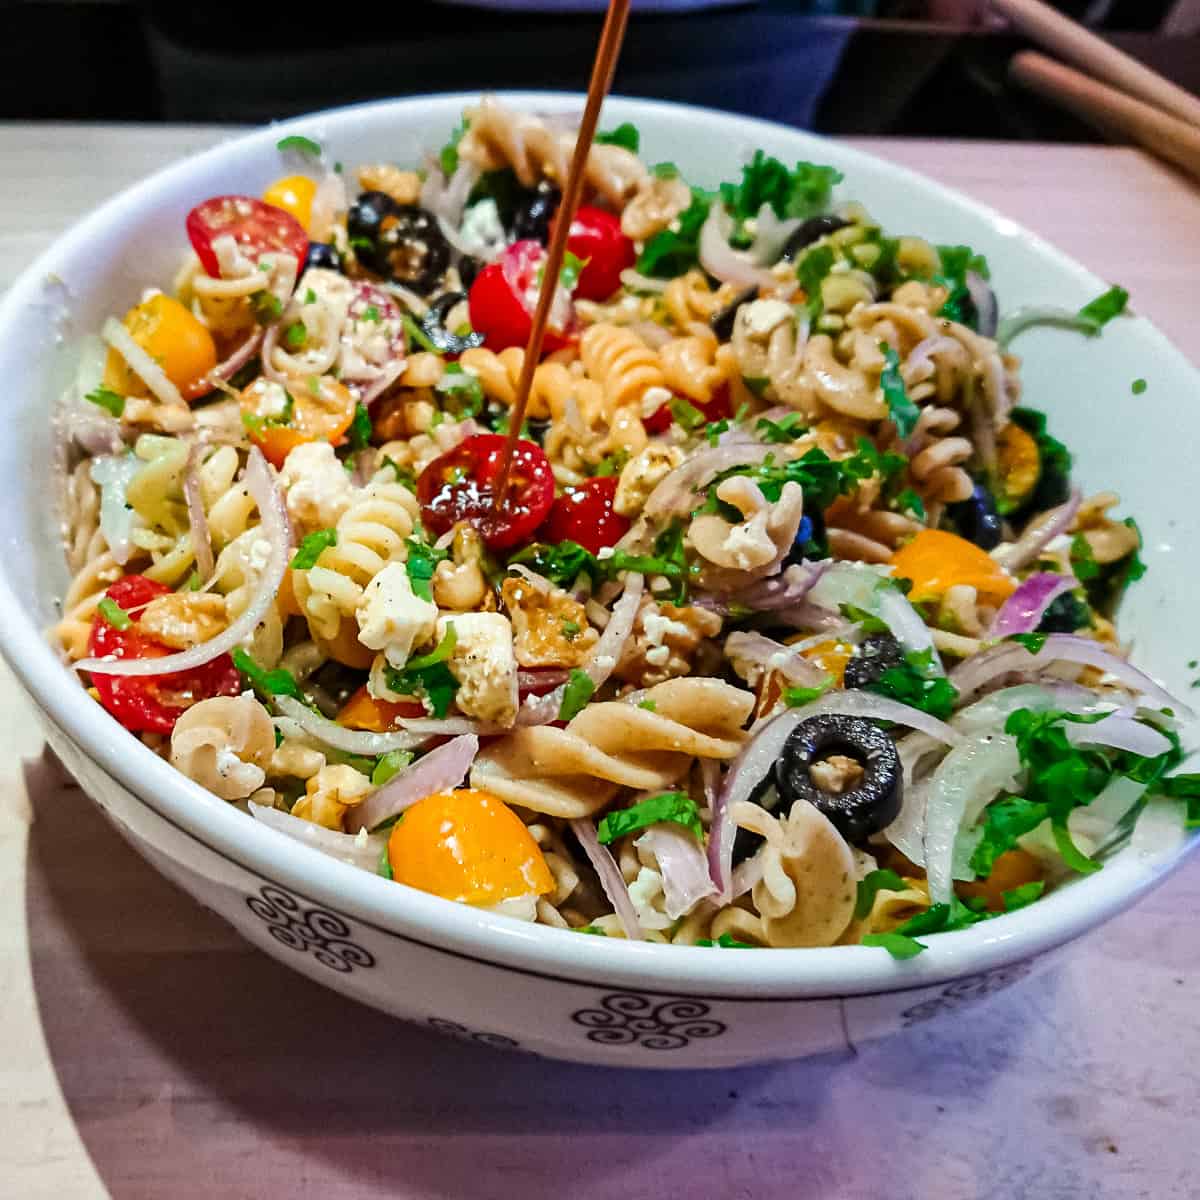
<point x="492" y="979"/>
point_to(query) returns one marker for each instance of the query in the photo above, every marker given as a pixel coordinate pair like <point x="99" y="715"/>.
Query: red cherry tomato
<point x="585" y="515"/>
<point x="718" y="408"/>
<point x="504" y="295"/>
<point x="256" y="227"/>
<point x="596" y="238"/>
<point x="151" y="704"/>
<point x="459" y="486"/>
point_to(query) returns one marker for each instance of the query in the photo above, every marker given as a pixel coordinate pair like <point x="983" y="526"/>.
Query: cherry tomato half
<point x="321" y="410"/>
<point x="363" y="711"/>
<point x="719" y="408"/>
<point x="504" y="295"/>
<point x="459" y="487"/>
<point x="151" y="704"/>
<point x="172" y="336"/>
<point x="585" y="515"/>
<point x="596" y="238"/>
<point x="256" y="227"/>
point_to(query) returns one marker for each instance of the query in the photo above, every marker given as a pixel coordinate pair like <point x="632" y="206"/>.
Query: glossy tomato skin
<point x="460" y="486"/>
<point x="151" y="704"/>
<point x="597" y="239"/>
<point x="502" y="299"/>
<point x="719" y="408"/>
<point x="256" y="226"/>
<point x="585" y="515"/>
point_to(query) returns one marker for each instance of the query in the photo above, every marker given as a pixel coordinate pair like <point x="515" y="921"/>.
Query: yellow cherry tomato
<point x="1020" y="466"/>
<point x="831" y="657"/>
<point x="320" y="410"/>
<point x="935" y="561"/>
<point x="1012" y="869"/>
<point x="174" y="338"/>
<point x="469" y="846"/>
<point x="294" y="194"/>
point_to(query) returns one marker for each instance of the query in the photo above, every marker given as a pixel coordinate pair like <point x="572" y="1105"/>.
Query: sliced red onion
<point x="807" y="615"/>
<point x="771" y="234"/>
<point x="361" y="852"/>
<point x="366" y="463"/>
<point x="197" y="519"/>
<point x="446" y="198"/>
<point x="1023" y="611"/>
<point x="1008" y="657"/>
<point x="983" y="298"/>
<point x="450" y="726"/>
<point x="611" y="879"/>
<point x="1015" y="555"/>
<point x="993" y="710"/>
<point x="721" y="260"/>
<point x="238" y="359"/>
<point x="746" y="874"/>
<point x="538" y="683"/>
<point x="349" y="741"/>
<point x="966" y="781"/>
<point x="387" y="376"/>
<point x="769" y="655"/>
<point x="675" y="495"/>
<point x="682" y="865"/>
<point x="1119" y="732"/>
<point x="605" y="656"/>
<point x="440" y="770"/>
<point x="710" y="774"/>
<point x="276" y="531"/>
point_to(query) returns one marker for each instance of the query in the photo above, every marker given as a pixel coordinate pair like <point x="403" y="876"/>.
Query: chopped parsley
<point x="1054" y="480"/>
<point x="903" y="411"/>
<point x="648" y="705"/>
<point x="279" y="682"/>
<point x="577" y="692"/>
<point x="389" y="765"/>
<point x="956" y="262"/>
<point x="1103" y="309"/>
<point x="665" y="170"/>
<point x="871" y="885"/>
<point x="300" y="144"/>
<point x="570" y="630"/>
<point x="909" y="502"/>
<point x="296" y="336"/>
<point x="463" y="388"/>
<point x="561" y="563"/>
<point x="1083" y="561"/>
<point x="811" y="271"/>
<point x="312" y="547"/>
<point x="255" y="424"/>
<point x="726" y="942"/>
<point x="360" y="428"/>
<point x="625" y="135"/>
<point x="416" y="335"/>
<point x="802" y="192"/>
<point x="1033" y="642"/>
<point x="371" y="314"/>
<point x="1026" y="894"/>
<point x="797" y="697"/>
<point x="420" y="565"/>
<point x="428" y="676"/>
<point x="787" y="429"/>
<point x="918" y="684"/>
<point x="448" y="155"/>
<point x="1138" y="387"/>
<point x="670" y="806"/>
<point x="672" y="252"/>
<point x="612" y="464"/>
<point x="266" y="307"/>
<point x="310" y="297"/>
<point x="113" y="613"/>
<point x="686" y="414"/>
<point x="108" y="400"/>
<point x="898" y="945"/>
<point x="384" y="868"/>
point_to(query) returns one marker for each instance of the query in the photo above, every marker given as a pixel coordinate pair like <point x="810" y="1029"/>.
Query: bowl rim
<point x="456" y="929"/>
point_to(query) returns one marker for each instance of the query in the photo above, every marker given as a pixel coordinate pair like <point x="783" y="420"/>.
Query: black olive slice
<point x="433" y="323"/>
<point x="535" y="211"/>
<point x="323" y="255"/>
<point x="400" y="242"/>
<point x="813" y="230"/>
<point x="977" y="520"/>
<point x="847" y="768"/>
<point x="722" y="322"/>
<point x="871" y="659"/>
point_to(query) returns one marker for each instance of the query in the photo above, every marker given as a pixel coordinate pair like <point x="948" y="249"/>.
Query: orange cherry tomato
<point x="1011" y="870"/>
<point x="294" y="194"/>
<point x="174" y="338"/>
<point x="469" y="846"/>
<point x="935" y="561"/>
<point x="831" y="657"/>
<point x="320" y="411"/>
<point x="363" y="711"/>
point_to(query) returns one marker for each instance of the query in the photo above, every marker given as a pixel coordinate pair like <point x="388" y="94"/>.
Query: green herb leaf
<point x="416" y="335"/>
<point x="803" y="192"/>
<point x="626" y="134"/>
<point x="113" y="613"/>
<point x="672" y="252"/>
<point x="360" y="428"/>
<point x="389" y="765"/>
<point x="1033" y="642"/>
<point x="811" y="271"/>
<point x="1138" y="387"/>
<point x="562" y="563"/>
<point x="385" y="864"/>
<point x="311" y="548"/>
<point x="594" y="930"/>
<point x="428" y="676"/>
<point x="726" y="942"/>
<point x="279" y="682"/>
<point x="686" y="414"/>
<point x="670" y="806"/>
<point x="464" y="388"/>
<point x="302" y="145"/>
<point x="1023" y="896"/>
<point x="1104" y="308"/>
<point x="1083" y="560"/>
<point x="576" y="694"/>
<point x="916" y="685"/>
<point x="420" y="565"/>
<point x="611" y="464"/>
<point x="665" y="170"/>
<point x="902" y="410"/>
<point x="108" y="400"/>
<point x="651" y="706"/>
<point x="296" y="335"/>
<point x="898" y="945"/>
<point x="266" y="307"/>
<point x="448" y="155"/>
<point x="908" y="501"/>
<point x="787" y="429"/>
<point x="871" y="885"/>
<point x="797" y="697"/>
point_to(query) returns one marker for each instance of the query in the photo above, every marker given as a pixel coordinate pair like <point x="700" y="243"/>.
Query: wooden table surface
<point x="147" y="1054"/>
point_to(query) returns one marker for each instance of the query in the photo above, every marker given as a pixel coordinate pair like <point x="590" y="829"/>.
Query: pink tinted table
<point x="147" y="1054"/>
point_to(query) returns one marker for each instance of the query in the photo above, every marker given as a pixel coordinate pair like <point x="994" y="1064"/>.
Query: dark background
<point x="894" y="73"/>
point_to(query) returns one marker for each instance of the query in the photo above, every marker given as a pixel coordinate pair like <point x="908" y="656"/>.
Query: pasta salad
<point x="793" y="629"/>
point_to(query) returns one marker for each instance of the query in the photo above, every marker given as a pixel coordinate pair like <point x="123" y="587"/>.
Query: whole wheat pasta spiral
<point x="621" y="363"/>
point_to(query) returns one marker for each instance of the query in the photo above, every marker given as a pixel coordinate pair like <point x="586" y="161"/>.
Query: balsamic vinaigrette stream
<point x="603" y="69"/>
